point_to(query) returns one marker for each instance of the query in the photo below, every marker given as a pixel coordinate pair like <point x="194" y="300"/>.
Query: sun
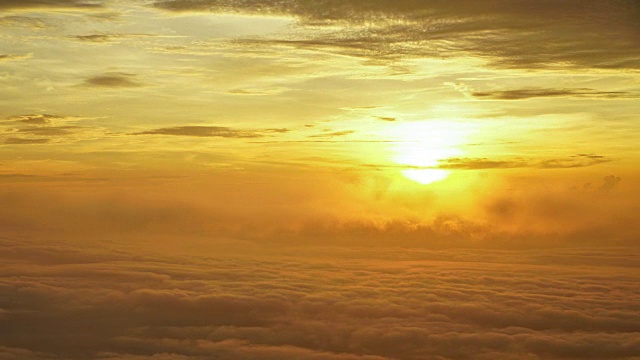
<point x="425" y="176"/>
<point x="421" y="145"/>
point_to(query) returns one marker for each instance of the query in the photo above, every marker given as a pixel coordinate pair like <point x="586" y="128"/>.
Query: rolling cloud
<point x="349" y="304"/>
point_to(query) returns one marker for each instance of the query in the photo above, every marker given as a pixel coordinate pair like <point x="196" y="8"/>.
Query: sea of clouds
<point x="107" y="301"/>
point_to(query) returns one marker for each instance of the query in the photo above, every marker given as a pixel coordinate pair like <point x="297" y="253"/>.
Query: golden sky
<point x="464" y="120"/>
<point x="330" y="179"/>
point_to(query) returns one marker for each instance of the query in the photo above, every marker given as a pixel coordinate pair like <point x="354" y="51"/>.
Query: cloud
<point x="44" y="128"/>
<point x="28" y="4"/>
<point x="521" y="94"/>
<point x="478" y="164"/>
<point x="386" y="118"/>
<point x="522" y="34"/>
<point x="114" y="80"/>
<point x="244" y="92"/>
<point x="107" y="38"/>
<point x="25" y="141"/>
<point x="315" y="207"/>
<point x="105" y="301"/>
<point x="39" y="119"/>
<point x="49" y="131"/>
<point x="581" y="160"/>
<point x="576" y="161"/>
<point x="212" y="131"/>
<point x="258" y="91"/>
<point x="96" y="38"/>
<point x="24" y="22"/>
<point x="9" y="57"/>
<point x="610" y="182"/>
<point x="333" y="134"/>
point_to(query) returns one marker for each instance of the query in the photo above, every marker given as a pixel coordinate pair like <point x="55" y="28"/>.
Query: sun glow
<point x="422" y="145"/>
<point x="425" y="176"/>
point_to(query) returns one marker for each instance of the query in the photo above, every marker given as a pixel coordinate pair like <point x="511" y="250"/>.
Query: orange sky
<point x="503" y="120"/>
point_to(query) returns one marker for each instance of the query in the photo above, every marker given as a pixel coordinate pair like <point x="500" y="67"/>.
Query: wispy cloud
<point x="576" y="161"/>
<point x="96" y="38"/>
<point x="524" y="34"/>
<point x="50" y="130"/>
<point x="42" y="129"/>
<point x="212" y="131"/>
<point x="23" y="141"/>
<point x="10" y="57"/>
<point x="24" y="22"/>
<point x="40" y="119"/>
<point x="28" y="4"/>
<point x="104" y="38"/>
<point x="114" y="80"/>
<point x="332" y="134"/>
<point x="386" y="118"/>
<point x="521" y="94"/>
<point x="258" y="91"/>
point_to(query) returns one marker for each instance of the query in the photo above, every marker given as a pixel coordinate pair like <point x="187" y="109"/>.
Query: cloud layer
<point x="104" y="303"/>
<point x="522" y="34"/>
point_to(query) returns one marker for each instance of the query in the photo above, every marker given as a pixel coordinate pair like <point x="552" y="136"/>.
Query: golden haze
<point x="340" y="180"/>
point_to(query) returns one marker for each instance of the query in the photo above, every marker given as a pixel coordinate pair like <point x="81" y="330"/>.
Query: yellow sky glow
<point x="399" y="113"/>
<point x="424" y="144"/>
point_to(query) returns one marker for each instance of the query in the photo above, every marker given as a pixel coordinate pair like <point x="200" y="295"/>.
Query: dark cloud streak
<point x="38" y="119"/>
<point x="212" y="131"/>
<point x="581" y="160"/>
<point x="105" y="38"/>
<point x="49" y="131"/>
<point x="11" y="57"/>
<point x="41" y="129"/>
<point x="386" y="118"/>
<point x="23" y="141"/>
<point x="333" y="134"/>
<point x="34" y="4"/>
<point x="116" y="80"/>
<point x="521" y="94"/>
<point x="521" y="34"/>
